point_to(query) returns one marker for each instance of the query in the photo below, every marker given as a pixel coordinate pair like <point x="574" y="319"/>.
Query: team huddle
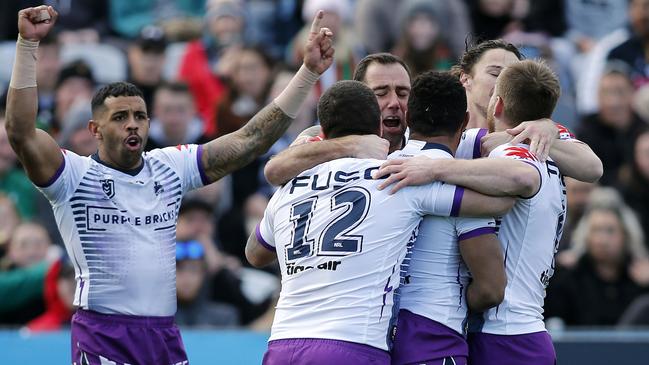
<point x="438" y="253"/>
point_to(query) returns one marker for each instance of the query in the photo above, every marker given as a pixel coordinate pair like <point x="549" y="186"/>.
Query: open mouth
<point x="392" y="122"/>
<point x="133" y="142"/>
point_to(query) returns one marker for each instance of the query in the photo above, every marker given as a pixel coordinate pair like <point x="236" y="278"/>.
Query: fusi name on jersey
<point x="101" y="217"/>
<point x="332" y="180"/>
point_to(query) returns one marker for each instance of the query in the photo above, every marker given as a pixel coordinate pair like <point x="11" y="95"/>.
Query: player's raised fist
<point x="35" y="23"/>
<point x="319" y="51"/>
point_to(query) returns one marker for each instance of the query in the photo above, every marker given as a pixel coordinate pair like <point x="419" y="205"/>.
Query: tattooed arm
<point x="235" y="150"/>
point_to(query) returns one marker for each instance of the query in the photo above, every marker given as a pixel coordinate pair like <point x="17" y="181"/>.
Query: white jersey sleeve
<point x="185" y="160"/>
<point x="473" y="227"/>
<point x="438" y="199"/>
<point x="66" y="179"/>
<point x="469" y="147"/>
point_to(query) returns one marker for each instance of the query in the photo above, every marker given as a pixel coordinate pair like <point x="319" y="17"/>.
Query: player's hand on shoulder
<point x="541" y="134"/>
<point x="492" y="140"/>
<point x="368" y="146"/>
<point x="418" y="170"/>
<point x="319" y="51"/>
<point x="34" y="23"/>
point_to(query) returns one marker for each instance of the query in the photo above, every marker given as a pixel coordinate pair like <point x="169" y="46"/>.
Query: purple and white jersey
<point x="340" y="243"/>
<point x="436" y="277"/>
<point x="119" y="228"/>
<point x="529" y="234"/>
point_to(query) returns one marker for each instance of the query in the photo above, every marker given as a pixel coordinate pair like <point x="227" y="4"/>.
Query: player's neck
<point x="125" y="166"/>
<point x="450" y="142"/>
<point x="476" y="118"/>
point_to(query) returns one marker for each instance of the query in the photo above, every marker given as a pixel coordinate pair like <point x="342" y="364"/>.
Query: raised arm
<point x="484" y="258"/>
<point x="299" y="158"/>
<point x="491" y="176"/>
<point x="235" y="150"/>
<point x="36" y="150"/>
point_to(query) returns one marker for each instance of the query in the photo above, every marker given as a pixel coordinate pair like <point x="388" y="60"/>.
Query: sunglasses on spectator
<point x="190" y="250"/>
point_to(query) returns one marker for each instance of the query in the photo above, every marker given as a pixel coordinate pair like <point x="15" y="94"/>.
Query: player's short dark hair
<point x="530" y="91"/>
<point x="436" y="105"/>
<point x="349" y="107"/>
<point x="113" y="90"/>
<point x="474" y="53"/>
<point x="383" y="58"/>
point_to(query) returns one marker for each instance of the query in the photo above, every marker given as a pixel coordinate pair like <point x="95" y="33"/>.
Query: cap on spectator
<point x="191" y="204"/>
<point x="189" y="250"/>
<point x="152" y="39"/>
<point x="223" y="8"/>
<point x="78" y="69"/>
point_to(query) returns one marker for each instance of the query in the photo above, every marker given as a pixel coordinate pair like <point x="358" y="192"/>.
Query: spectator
<point x="636" y="192"/>
<point x="610" y="274"/>
<point x="590" y="21"/>
<point x="75" y="135"/>
<point x="633" y="51"/>
<point x="174" y="118"/>
<point x="194" y="308"/>
<point x="641" y="103"/>
<point x="209" y="60"/>
<point x="21" y="291"/>
<point x="74" y="85"/>
<point x="29" y="245"/>
<point x="578" y="195"/>
<point x="9" y="222"/>
<point x="14" y="184"/>
<point x="611" y="133"/>
<point x="58" y="296"/>
<point x="146" y="58"/>
<point x="250" y="83"/>
<point x="423" y="45"/>
<point x="336" y="18"/>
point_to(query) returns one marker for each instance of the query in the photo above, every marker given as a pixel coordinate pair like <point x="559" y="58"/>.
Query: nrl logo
<point x="108" y="187"/>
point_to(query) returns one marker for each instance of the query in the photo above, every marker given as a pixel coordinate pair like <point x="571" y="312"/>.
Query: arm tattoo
<point x="233" y="151"/>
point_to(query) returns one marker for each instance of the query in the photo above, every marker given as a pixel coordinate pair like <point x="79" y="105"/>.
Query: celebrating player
<point x="437" y="285"/>
<point x="117" y="210"/>
<point x="514" y="332"/>
<point x="340" y="244"/>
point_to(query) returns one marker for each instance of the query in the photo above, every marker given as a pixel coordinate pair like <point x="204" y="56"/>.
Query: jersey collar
<point x="132" y="172"/>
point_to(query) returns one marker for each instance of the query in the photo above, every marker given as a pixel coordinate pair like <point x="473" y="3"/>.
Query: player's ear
<point x="499" y="107"/>
<point x="93" y="127"/>
<point x="465" y="80"/>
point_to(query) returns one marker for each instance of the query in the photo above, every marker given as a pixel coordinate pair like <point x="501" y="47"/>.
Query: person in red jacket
<point x="58" y="294"/>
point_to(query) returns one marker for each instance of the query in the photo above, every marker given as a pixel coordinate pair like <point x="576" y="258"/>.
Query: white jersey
<point x="436" y="277"/>
<point x="340" y="243"/>
<point x="119" y="228"/>
<point x="529" y="235"/>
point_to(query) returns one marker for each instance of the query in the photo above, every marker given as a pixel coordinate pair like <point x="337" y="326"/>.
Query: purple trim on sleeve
<point x="201" y="170"/>
<point x="457" y="201"/>
<point x="53" y="179"/>
<point x="476" y="144"/>
<point x="476" y="232"/>
<point x="540" y="179"/>
<point x="263" y="242"/>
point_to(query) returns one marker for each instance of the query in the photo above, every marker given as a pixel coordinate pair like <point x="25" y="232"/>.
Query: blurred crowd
<point x="206" y="66"/>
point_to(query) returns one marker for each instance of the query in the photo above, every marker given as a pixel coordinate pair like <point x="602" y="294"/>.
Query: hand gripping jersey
<point x="529" y="235"/>
<point x="436" y="279"/>
<point x="340" y="243"/>
<point x="119" y="228"/>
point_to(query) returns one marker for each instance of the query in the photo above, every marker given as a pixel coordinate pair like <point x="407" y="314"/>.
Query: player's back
<point x="340" y="243"/>
<point x="529" y="235"/>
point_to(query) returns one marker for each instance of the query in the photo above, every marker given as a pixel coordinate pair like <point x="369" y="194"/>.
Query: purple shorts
<point x="420" y="340"/>
<point x="99" y="339"/>
<point x="528" y="349"/>
<point x="314" y="351"/>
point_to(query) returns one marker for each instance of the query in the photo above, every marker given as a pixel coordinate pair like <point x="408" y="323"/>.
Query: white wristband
<point x="24" y="71"/>
<point x="296" y="92"/>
